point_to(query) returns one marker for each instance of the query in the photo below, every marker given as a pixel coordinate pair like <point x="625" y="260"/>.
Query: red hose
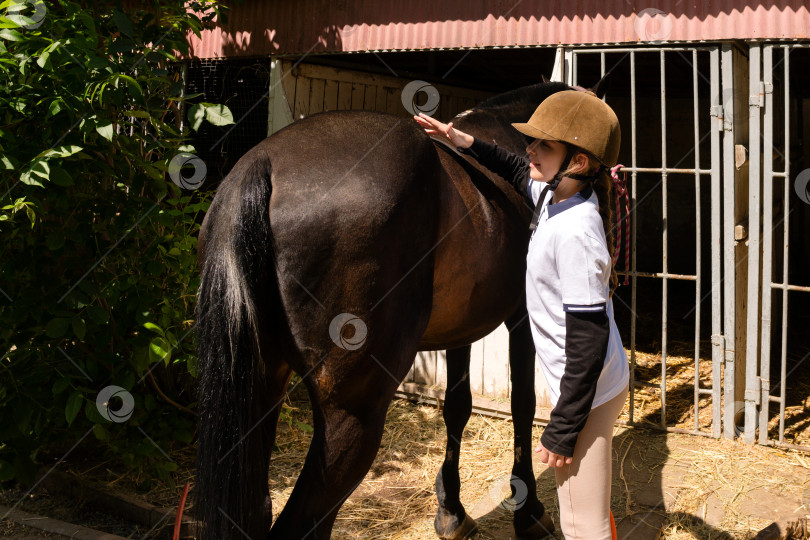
<point x="179" y="517"/>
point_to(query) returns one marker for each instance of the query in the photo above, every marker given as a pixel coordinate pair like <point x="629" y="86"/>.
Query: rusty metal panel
<point x="298" y="27"/>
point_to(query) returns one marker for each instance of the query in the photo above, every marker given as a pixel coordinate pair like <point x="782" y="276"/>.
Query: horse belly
<point x="480" y="264"/>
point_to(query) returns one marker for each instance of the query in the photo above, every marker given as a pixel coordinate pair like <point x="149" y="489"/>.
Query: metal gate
<point x="659" y="173"/>
<point x="774" y="197"/>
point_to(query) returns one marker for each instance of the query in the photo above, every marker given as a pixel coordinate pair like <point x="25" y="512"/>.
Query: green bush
<point x="98" y="257"/>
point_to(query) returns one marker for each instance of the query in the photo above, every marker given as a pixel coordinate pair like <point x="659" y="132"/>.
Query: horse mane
<point x="534" y="93"/>
<point x="512" y="106"/>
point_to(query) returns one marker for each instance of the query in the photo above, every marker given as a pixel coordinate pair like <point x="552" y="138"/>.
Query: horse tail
<point x="237" y="282"/>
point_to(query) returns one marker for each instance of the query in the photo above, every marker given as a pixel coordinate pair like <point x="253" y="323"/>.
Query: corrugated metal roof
<point x="257" y="27"/>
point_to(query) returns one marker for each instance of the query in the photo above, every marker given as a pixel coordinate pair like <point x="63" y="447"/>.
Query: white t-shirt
<point x="568" y="270"/>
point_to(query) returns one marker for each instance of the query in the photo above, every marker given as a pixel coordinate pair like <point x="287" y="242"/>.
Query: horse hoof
<point x="467" y="528"/>
<point x="540" y="529"/>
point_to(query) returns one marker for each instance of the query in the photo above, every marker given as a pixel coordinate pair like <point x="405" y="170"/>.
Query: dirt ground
<point x="665" y="485"/>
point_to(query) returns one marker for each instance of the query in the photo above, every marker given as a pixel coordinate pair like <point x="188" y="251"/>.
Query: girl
<point x="569" y="283"/>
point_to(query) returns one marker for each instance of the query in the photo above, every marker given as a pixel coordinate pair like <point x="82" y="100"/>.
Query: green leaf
<point x="10" y="35"/>
<point x="134" y="88"/>
<point x="159" y="349"/>
<point x="60" y="177"/>
<point x="8" y="163"/>
<point x="74" y="405"/>
<point x="28" y="178"/>
<point x="196" y="115"/>
<point x="41" y="169"/>
<point x="101" y="432"/>
<point x="219" y="115"/>
<point x="153" y="327"/>
<point x="92" y="414"/>
<point x="57" y="328"/>
<point x="43" y="60"/>
<point x="55" y="106"/>
<point x="79" y="328"/>
<point x="59" y="386"/>
<point x="122" y="22"/>
<point x="105" y="130"/>
<point x="60" y="151"/>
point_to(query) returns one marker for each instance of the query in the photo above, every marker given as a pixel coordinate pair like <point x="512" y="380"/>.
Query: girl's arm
<point x="511" y="167"/>
<point x="586" y="343"/>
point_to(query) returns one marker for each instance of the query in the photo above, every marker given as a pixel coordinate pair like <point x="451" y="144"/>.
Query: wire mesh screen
<point x="242" y="85"/>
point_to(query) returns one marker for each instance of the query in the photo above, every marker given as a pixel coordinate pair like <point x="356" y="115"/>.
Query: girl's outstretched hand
<point x="432" y="126"/>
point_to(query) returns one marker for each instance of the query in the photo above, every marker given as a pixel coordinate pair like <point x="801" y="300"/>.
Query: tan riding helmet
<point x="578" y="118"/>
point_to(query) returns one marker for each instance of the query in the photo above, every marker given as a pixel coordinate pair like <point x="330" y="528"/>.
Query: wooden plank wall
<point x="310" y="89"/>
<point x="489" y="370"/>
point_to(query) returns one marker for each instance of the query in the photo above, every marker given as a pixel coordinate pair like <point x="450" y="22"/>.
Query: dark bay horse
<point x="338" y="248"/>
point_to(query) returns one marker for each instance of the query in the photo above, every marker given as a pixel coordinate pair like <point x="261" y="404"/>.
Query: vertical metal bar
<point x="754" y="208"/>
<point x="602" y="67"/>
<point x="633" y="242"/>
<point x="717" y="259"/>
<point x="767" y="244"/>
<point x="729" y="245"/>
<point x="568" y="66"/>
<point x="696" y="121"/>
<point x="664" y="250"/>
<point x="574" y="70"/>
<point x="785" y="259"/>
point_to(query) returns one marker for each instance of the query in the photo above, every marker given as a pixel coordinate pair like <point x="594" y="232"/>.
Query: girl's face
<point x="546" y="157"/>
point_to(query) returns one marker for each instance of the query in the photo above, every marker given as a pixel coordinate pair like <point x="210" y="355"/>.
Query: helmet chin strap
<point x="554" y="182"/>
<point x="552" y="185"/>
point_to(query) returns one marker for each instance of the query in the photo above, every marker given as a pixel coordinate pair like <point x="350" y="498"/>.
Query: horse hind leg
<point x="531" y="519"/>
<point x="276" y="387"/>
<point x="348" y="422"/>
<point x="452" y="521"/>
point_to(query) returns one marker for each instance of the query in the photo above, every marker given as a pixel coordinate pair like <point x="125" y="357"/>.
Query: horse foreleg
<point x="531" y="519"/>
<point x="452" y="521"/>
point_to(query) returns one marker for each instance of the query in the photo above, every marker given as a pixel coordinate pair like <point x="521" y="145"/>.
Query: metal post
<point x="767" y="243"/>
<point x="569" y="67"/>
<point x="633" y="242"/>
<point x="558" y="71"/>
<point x="696" y="121"/>
<point x="664" y="251"/>
<point x="729" y="243"/>
<point x="751" y="352"/>
<point x="718" y="343"/>
<point x="574" y="71"/>
<point x="785" y="260"/>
